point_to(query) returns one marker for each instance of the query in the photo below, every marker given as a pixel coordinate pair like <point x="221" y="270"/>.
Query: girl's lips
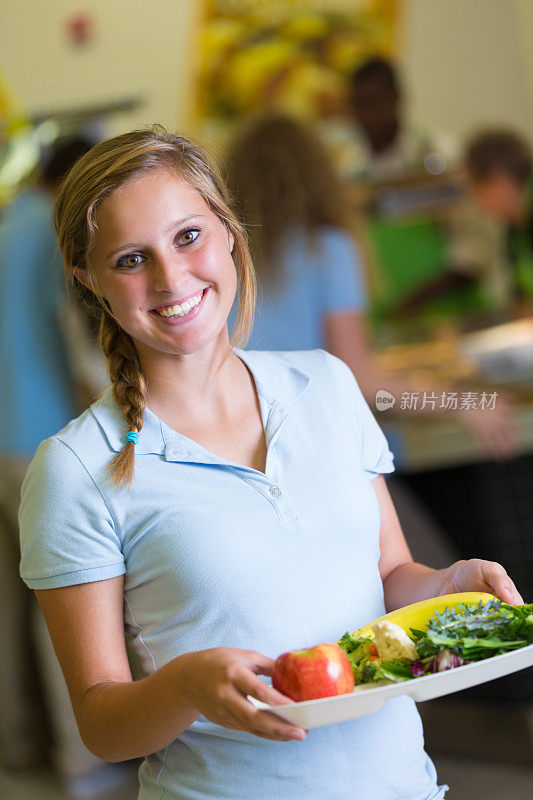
<point x="182" y="320"/>
<point x="180" y="302"/>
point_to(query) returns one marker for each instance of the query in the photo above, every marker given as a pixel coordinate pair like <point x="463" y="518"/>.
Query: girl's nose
<point x="167" y="272"/>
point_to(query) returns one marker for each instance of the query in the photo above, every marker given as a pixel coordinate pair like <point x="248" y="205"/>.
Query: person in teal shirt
<point x="37" y="392"/>
<point x="38" y="396"/>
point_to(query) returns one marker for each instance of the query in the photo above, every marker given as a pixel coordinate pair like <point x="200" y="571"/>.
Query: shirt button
<point x="275" y="491"/>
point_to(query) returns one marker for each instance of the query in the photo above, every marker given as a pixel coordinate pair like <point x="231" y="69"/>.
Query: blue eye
<point x="189" y="236"/>
<point x="131" y="260"/>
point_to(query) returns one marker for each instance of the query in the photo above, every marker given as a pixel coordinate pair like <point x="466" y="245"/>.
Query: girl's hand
<point x="477" y="575"/>
<point x="217" y="682"/>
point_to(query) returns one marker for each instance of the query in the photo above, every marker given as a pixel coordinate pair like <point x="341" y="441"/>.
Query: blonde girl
<point x="219" y="506"/>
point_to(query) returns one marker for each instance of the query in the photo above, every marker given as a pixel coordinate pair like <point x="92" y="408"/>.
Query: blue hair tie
<point x="132" y="436"/>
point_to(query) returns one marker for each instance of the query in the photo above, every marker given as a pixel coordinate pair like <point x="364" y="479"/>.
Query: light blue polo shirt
<point x="219" y="554"/>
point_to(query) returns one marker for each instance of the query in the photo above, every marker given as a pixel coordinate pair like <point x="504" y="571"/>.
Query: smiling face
<point x="162" y="259"/>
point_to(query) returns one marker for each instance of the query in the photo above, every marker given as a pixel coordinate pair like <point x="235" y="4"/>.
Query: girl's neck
<point x="191" y="386"/>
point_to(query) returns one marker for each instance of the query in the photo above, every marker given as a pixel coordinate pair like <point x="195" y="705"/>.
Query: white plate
<point x="368" y="698"/>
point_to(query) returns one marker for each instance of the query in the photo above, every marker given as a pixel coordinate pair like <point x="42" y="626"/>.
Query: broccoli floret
<point x="362" y="652"/>
<point x="347" y="643"/>
<point x="368" y="672"/>
<point x="357" y="672"/>
<point x="350" y="642"/>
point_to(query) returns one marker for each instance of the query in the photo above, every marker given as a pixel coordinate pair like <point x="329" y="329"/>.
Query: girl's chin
<point x="182" y="345"/>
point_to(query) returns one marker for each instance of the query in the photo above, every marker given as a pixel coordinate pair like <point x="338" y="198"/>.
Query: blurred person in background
<point x="311" y="288"/>
<point x="499" y="166"/>
<point x="376" y="141"/>
<point x="39" y="394"/>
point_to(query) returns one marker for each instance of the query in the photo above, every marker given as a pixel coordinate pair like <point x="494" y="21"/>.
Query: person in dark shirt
<point x="499" y="167"/>
<point x="377" y="140"/>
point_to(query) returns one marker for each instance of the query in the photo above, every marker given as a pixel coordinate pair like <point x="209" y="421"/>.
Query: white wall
<point x="145" y="46"/>
<point x="468" y="63"/>
<point x="524" y="25"/>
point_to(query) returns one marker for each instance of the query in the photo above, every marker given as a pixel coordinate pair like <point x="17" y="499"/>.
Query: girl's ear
<point x="231" y="241"/>
<point x="84" y="277"/>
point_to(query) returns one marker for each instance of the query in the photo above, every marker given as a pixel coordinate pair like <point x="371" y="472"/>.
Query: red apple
<point x="321" y="671"/>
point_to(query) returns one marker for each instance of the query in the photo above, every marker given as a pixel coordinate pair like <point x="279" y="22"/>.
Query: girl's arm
<point x="406" y="582"/>
<point x="119" y="718"/>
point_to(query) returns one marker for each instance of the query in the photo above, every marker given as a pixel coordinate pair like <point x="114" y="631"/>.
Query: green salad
<point x="453" y="638"/>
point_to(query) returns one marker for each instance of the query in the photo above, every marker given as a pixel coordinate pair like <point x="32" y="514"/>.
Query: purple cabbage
<point x="445" y="659"/>
<point x="417" y="669"/>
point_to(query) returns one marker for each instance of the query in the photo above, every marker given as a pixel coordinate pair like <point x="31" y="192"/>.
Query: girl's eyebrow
<point x="170" y="228"/>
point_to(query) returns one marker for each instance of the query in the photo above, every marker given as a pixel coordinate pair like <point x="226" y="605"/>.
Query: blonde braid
<point x="129" y="390"/>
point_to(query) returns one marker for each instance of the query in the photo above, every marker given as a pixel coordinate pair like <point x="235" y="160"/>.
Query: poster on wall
<point x="289" y="55"/>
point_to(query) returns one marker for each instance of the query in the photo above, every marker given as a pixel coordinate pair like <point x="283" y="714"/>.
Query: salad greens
<point x="454" y="637"/>
<point x="476" y="632"/>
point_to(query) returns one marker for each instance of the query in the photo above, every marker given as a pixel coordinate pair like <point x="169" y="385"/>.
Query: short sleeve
<point x="376" y="456"/>
<point x="342" y="287"/>
<point x="67" y="533"/>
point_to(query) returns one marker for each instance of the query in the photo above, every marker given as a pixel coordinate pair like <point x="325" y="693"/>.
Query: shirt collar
<point x="278" y="383"/>
<point x="114" y="426"/>
<point x="276" y="379"/>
